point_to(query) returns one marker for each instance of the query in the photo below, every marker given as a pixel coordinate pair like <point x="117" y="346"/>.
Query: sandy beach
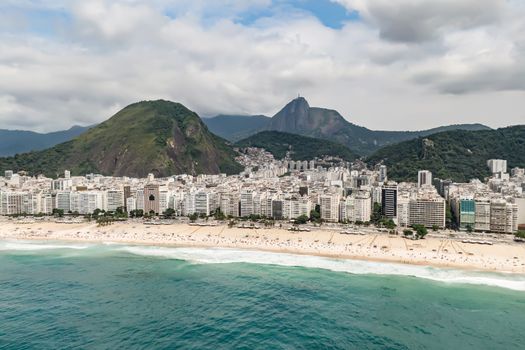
<point x="431" y="251"/>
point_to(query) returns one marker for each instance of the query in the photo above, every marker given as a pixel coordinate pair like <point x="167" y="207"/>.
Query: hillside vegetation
<point x="458" y="155"/>
<point x="301" y="147"/>
<point x="159" y="137"/>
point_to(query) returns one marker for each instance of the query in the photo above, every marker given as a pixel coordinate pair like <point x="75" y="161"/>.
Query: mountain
<point x="298" y="117"/>
<point x="236" y="127"/>
<point x="19" y="141"/>
<point x="458" y="155"/>
<point x="301" y="147"/>
<point x="159" y="137"/>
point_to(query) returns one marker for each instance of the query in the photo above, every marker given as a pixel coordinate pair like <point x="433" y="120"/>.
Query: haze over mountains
<point x="159" y="137"/>
<point x="21" y="141"/>
<point x="166" y="138"/>
<point x="297" y="117"/>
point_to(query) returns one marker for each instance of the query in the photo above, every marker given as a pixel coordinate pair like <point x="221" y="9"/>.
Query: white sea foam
<point x="217" y="256"/>
<point x="35" y="246"/>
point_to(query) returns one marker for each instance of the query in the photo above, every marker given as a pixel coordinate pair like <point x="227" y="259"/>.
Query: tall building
<point x="482" y="216"/>
<point x="424" y="178"/>
<point x="127" y="194"/>
<point x="389" y="201"/>
<point x="497" y="165"/>
<point x="329" y="204"/>
<point x="503" y="216"/>
<point x="467" y="213"/>
<point x="383" y="173"/>
<point x="246" y="203"/>
<point x="403" y="208"/>
<point x="277" y="209"/>
<point x="151" y="198"/>
<point x="202" y="203"/>
<point x="428" y="212"/>
<point x="115" y="200"/>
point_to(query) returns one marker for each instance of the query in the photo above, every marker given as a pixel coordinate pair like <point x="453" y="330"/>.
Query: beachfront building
<point x="329" y="204"/>
<point x="86" y="202"/>
<point x="115" y="199"/>
<point x="482" y="214"/>
<point x="389" y="200"/>
<point x="151" y="198"/>
<point x="427" y="208"/>
<point x="403" y="209"/>
<point x="63" y="201"/>
<point x="464" y="209"/>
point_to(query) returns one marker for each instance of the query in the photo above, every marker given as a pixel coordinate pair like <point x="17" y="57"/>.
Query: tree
<point x="136" y="213"/>
<point x="97" y="212"/>
<point x="469" y="228"/>
<point x="315" y="214"/>
<point x="219" y="215"/>
<point x="376" y="214"/>
<point x="408" y="232"/>
<point x="58" y="212"/>
<point x="170" y="212"/>
<point x="421" y="231"/>
<point x="390" y="224"/>
<point x="120" y="212"/>
<point x="301" y="220"/>
<point x="435" y="227"/>
<point x="520" y="234"/>
<point x="193" y="217"/>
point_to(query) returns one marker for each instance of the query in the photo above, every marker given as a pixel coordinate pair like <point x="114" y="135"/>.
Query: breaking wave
<point x="226" y="256"/>
<point x="361" y="267"/>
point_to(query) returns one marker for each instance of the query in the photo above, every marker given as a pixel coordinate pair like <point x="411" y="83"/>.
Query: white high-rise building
<point x="424" y="178"/>
<point x="428" y="212"/>
<point x="115" y="199"/>
<point x="383" y="173"/>
<point x="329" y="204"/>
<point x="63" y="201"/>
<point x="497" y="165"/>
<point x="246" y="203"/>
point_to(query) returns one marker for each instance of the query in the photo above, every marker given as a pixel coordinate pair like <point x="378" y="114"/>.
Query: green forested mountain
<point x="301" y="147"/>
<point x="159" y="137"/>
<point x="458" y="155"/>
<point x="299" y="118"/>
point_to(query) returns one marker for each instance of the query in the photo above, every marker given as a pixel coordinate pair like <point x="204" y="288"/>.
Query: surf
<point x="351" y="266"/>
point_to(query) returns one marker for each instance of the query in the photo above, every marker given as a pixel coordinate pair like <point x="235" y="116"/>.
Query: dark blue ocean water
<point x="114" y="297"/>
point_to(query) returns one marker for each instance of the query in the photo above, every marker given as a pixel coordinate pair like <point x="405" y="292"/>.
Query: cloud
<point x="96" y="57"/>
<point x="415" y="21"/>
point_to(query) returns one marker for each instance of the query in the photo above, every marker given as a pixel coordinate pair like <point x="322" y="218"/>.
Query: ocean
<point x="110" y="296"/>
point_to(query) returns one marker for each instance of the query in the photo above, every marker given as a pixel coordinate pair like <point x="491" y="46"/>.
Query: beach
<point x="380" y="246"/>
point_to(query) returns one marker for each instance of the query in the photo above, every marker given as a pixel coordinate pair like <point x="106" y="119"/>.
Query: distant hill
<point x="458" y="155"/>
<point x="299" y="118"/>
<point x="301" y="147"/>
<point x="236" y="127"/>
<point x="159" y="137"/>
<point x="19" y="141"/>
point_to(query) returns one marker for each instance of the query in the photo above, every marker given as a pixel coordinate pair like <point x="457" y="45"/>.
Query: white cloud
<point x="463" y="65"/>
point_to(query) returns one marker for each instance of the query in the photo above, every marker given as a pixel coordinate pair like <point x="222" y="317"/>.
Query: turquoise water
<point x="124" y="297"/>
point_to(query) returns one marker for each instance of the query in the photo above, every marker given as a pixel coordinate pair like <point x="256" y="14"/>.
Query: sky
<point x="383" y="64"/>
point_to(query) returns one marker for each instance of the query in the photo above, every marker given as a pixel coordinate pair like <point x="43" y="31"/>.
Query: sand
<point x="439" y="251"/>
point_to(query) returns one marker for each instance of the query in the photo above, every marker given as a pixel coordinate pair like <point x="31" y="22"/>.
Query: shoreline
<point x="380" y="247"/>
